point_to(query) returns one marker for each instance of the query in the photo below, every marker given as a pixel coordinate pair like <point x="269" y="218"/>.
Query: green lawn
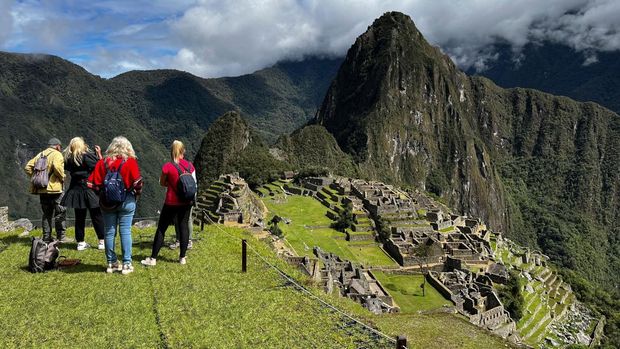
<point x="310" y="227"/>
<point x="407" y="292"/>
<point x="207" y="303"/>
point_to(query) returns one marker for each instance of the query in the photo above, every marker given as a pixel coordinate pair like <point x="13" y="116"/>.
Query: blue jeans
<point x="122" y="217"/>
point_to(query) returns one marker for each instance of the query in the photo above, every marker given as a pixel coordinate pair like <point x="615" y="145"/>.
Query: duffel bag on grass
<point x="43" y="255"/>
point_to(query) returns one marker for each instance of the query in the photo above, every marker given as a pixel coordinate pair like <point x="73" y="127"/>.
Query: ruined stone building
<point x="354" y="282"/>
<point x="466" y="247"/>
<point x="476" y="299"/>
<point x="230" y="200"/>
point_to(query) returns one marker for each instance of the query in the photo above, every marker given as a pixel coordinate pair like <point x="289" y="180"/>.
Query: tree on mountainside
<point x="345" y="220"/>
<point x="511" y="295"/>
<point x="422" y="254"/>
<point x="383" y="228"/>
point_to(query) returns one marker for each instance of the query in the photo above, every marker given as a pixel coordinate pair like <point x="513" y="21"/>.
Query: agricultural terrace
<point x="309" y="227"/>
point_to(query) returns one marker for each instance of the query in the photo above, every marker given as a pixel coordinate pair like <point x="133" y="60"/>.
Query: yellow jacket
<point x="55" y="169"/>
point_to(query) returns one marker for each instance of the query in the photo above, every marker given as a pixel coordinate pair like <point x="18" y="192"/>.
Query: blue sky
<point x="213" y="38"/>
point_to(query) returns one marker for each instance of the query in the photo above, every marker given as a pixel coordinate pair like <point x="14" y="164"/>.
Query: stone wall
<point x="4" y="219"/>
<point x="439" y="286"/>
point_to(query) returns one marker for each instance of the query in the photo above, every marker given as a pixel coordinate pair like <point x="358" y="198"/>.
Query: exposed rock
<point x="23" y="223"/>
<point x="147" y="223"/>
<point x="4" y="219"/>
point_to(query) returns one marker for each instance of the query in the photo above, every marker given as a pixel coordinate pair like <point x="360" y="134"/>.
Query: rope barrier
<point x="304" y="289"/>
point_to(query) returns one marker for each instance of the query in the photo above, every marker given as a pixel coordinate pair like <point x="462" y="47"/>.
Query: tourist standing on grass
<point x="175" y="207"/>
<point x="47" y="175"/>
<point x="120" y="160"/>
<point x="80" y="162"/>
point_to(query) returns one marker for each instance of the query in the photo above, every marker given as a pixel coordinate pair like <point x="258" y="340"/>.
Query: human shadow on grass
<point x="137" y="258"/>
<point x="84" y="268"/>
<point x="79" y="268"/>
<point x="15" y="239"/>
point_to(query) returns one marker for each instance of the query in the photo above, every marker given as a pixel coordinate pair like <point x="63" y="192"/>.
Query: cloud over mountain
<point x="216" y="37"/>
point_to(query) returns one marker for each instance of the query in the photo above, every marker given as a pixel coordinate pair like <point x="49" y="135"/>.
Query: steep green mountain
<point x="231" y="145"/>
<point x="404" y="111"/>
<point x="314" y="147"/>
<point x="542" y="168"/>
<point x="560" y="70"/>
<point x="43" y="96"/>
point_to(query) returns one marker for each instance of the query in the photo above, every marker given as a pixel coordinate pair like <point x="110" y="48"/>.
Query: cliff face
<point x="540" y="167"/>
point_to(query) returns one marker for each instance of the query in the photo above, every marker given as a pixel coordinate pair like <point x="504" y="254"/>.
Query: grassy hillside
<point x="207" y="303"/>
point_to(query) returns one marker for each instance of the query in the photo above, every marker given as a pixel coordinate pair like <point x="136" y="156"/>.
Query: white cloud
<point x="227" y="38"/>
<point x="6" y="20"/>
<point x="217" y="37"/>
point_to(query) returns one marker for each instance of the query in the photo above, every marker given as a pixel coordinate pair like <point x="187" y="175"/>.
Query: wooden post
<point x="202" y="221"/>
<point x="401" y="342"/>
<point x="244" y="256"/>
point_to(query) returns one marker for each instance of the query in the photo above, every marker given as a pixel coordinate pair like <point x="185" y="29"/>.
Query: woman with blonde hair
<point x="120" y="162"/>
<point x="80" y="162"/>
<point x="176" y="207"/>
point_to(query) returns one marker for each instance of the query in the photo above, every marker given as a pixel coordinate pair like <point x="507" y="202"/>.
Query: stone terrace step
<point x="541" y="329"/>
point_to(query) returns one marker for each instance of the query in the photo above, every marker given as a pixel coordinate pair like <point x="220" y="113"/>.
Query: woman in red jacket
<point x="174" y="207"/>
<point x="121" y="158"/>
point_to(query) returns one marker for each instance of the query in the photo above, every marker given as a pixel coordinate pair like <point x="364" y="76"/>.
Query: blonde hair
<point x="177" y="150"/>
<point x="120" y="146"/>
<point x="76" y="148"/>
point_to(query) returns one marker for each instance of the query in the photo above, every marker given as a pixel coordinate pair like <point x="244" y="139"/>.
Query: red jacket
<point x="130" y="173"/>
<point x="172" y="179"/>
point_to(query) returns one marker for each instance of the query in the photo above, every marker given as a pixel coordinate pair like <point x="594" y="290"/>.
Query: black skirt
<point x="80" y="197"/>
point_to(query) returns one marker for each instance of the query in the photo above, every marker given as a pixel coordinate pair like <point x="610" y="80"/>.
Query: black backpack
<point x="40" y="176"/>
<point x="114" y="191"/>
<point x="43" y="255"/>
<point x="186" y="186"/>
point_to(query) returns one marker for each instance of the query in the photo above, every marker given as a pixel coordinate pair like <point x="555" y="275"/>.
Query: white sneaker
<point x="189" y="245"/>
<point x="174" y="245"/>
<point x="149" y="262"/>
<point x="127" y="269"/>
<point x="82" y="245"/>
<point x="112" y="267"/>
<point x="183" y="260"/>
<point x="101" y="245"/>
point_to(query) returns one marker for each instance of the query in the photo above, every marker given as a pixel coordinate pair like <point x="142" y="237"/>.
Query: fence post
<point x="244" y="256"/>
<point x="401" y="342"/>
<point x="202" y="221"/>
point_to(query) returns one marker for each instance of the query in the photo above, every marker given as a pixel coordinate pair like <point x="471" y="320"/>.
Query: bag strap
<point x="107" y="167"/>
<point x="178" y="167"/>
<point x="41" y="154"/>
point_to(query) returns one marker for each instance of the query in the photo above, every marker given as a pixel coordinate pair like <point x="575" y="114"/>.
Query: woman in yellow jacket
<point x="51" y="195"/>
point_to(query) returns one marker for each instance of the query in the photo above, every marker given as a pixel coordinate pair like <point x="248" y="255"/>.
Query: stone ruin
<point x="352" y="281"/>
<point x="474" y="297"/>
<point x="232" y="203"/>
<point x="314" y="184"/>
<point x="4" y="219"/>
<point x="6" y="225"/>
<point x="466" y="247"/>
<point x="381" y="199"/>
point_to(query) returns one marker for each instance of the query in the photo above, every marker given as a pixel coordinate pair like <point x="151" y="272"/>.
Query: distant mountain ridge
<point x="43" y="96"/>
<point x="560" y="70"/>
